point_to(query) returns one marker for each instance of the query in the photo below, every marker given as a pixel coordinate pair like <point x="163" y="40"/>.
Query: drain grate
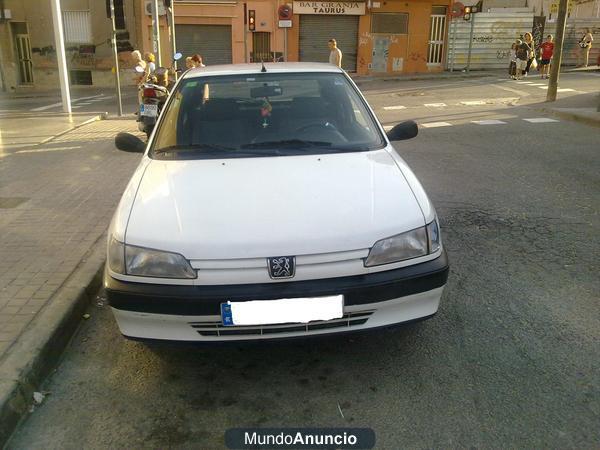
<point x="11" y="202"/>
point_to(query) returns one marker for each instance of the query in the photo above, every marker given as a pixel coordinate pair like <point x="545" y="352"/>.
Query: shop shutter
<point x="212" y="42"/>
<point x="316" y="30"/>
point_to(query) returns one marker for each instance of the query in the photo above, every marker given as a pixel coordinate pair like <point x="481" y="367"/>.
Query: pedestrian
<point x="585" y="44"/>
<point x="522" y="53"/>
<point x="512" y="67"/>
<point x="149" y="58"/>
<point x="197" y="60"/>
<point x="139" y="78"/>
<point x="335" y="54"/>
<point x="528" y="39"/>
<point x="547" y="50"/>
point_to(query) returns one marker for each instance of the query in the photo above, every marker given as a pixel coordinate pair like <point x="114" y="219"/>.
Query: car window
<point x="265" y="114"/>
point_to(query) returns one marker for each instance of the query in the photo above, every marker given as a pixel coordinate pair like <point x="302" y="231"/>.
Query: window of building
<point x="438" y="10"/>
<point x="78" y="27"/>
<point x="389" y="23"/>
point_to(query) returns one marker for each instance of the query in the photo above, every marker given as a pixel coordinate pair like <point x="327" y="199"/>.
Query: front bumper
<point x="192" y="313"/>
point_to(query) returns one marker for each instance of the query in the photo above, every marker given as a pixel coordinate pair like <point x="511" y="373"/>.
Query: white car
<point x="270" y="203"/>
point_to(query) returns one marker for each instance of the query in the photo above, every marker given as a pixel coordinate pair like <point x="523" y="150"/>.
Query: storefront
<point x="213" y="42"/>
<point x="321" y="21"/>
<point x="403" y="37"/>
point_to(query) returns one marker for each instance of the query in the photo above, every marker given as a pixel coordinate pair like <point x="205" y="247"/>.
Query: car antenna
<point x="263" y="68"/>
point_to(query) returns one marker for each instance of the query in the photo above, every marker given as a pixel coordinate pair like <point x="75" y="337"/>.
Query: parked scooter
<point x="154" y="94"/>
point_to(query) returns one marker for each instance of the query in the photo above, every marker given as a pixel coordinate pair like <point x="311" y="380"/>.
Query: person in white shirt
<point x="335" y="54"/>
<point x="149" y="57"/>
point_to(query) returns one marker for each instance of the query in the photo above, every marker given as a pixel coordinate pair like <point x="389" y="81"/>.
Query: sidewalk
<point x="26" y="129"/>
<point x="56" y="201"/>
<point x="583" y="108"/>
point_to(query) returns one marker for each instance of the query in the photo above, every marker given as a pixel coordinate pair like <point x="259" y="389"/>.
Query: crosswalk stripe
<point x="565" y="90"/>
<point x="434" y="105"/>
<point x="473" y="103"/>
<point x="488" y="122"/>
<point x="538" y="84"/>
<point x="542" y="87"/>
<point x="540" y="120"/>
<point x="392" y="108"/>
<point x="436" y="124"/>
<point x="44" y="108"/>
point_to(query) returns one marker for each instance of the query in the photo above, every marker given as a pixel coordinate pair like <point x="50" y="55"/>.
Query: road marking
<point x="488" y="122"/>
<point x="539" y="84"/>
<point x="55" y="105"/>
<point x="524" y="82"/>
<point x="509" y="89"/>
<point x="43" y="150"/>
<point x="566" y="90"/>
<point x="540" y="120"/>
<point x="474" y="103"/>
<point x="435" y="105"/>
<point x="75" y="107"/>
<point x="44" y="108"/>
<point x="542" y="87"/>
<point x="392" y="108"/>
<point x="436" y="124"/>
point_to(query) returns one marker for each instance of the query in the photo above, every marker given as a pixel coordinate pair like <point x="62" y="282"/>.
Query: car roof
<point x="236" y="69"/>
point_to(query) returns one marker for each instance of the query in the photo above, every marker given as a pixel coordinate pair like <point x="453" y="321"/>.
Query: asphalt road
<point x="510" y="361"/>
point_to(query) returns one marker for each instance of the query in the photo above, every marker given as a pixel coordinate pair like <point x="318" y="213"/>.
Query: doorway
<point x="23" y="52"/>
<point x="261" y="47"/>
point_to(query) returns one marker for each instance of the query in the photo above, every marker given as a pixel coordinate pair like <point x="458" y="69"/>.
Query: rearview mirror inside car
<point x="403" y="131"/>
<point x="129" y="143"/>
<point x="265" y="91"/>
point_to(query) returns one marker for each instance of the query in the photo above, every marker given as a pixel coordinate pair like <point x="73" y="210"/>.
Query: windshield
<point x="264" y="115"/>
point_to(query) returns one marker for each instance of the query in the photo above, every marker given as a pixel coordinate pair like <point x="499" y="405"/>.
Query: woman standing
<point x="585" y="44"/>
<point x="528" y="39"/>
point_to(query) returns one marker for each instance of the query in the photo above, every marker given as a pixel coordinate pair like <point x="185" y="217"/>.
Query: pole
<point x="116" y="55"/>
<point x="61" y="57"/>
<point x="558" y="48"/>
<point x="454" y="28"/>
<point x="285" y="53"/>
<point x="173" y="43"/>
<point x="245" y="34"/>
<point x="470" y="42"/>
<point x="156" y="32"/>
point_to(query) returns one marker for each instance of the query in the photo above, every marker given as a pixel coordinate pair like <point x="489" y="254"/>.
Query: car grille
<point x="216" y="328"/>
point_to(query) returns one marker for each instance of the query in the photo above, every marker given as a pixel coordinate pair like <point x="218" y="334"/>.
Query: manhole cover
<point x="11" y="202"/>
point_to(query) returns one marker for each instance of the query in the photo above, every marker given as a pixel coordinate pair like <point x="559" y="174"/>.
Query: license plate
<point x="149" y="110"/>
<point x="285" y="310"/>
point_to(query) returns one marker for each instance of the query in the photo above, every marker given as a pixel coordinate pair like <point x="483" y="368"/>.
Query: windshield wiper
<point x="287" y="143"/>
<point x="200" y="147"/>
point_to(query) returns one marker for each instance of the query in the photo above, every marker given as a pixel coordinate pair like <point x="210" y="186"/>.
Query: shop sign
<point x="330" y="8"/>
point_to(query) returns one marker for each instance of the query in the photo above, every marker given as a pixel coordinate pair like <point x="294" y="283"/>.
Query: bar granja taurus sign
<point x="334" y="8"/>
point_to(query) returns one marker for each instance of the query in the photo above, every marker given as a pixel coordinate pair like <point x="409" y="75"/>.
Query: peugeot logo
<point x="282" y="266"/>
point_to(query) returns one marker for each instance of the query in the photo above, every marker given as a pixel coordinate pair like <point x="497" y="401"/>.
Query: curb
<point x="575" y="117"/>
<point x="359" y="80"/>
<point x="85" y="122"/>
<point x="39" y="348"/>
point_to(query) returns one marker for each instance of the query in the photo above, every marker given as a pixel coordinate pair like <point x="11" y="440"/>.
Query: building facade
<point x="375" y="37"/>
<point x="27" y="44"/>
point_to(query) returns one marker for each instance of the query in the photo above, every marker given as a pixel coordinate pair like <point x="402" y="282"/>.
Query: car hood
<point x="259" y="207"/>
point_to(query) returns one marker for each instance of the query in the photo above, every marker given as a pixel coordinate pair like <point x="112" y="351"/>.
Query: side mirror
<point x="177" y="56"/>
<point x="129" y="143"/>
<point x="403" y="131"/>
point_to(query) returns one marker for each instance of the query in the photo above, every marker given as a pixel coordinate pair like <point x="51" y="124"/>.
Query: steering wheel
<point x="327" y="126"/>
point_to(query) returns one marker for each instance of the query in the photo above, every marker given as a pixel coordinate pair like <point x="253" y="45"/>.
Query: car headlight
<point x="145" y="262"/>
<point x="412" y="244"/>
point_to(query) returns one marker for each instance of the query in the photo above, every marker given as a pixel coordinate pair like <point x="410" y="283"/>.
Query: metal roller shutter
<point x="316" y="30"/>
<point x="212" y="42"/>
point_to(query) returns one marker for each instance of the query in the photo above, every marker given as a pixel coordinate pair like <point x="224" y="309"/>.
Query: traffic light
<point x="467" y="13"/>
<point x="251" y="19"/>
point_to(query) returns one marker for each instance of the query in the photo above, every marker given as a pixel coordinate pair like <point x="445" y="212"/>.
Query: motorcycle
<point x="154" y="95"/>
